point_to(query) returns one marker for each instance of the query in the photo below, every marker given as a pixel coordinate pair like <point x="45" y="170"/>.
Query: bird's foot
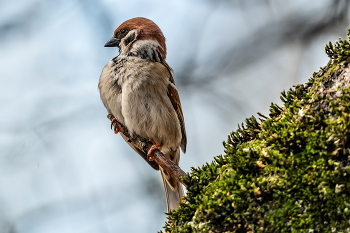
<point x="154" y="147"/>
<point x="113" y="124"/>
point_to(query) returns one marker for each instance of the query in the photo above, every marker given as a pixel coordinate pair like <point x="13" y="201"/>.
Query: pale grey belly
<point x="149" y="113"/>
<point x="112" y="99"/>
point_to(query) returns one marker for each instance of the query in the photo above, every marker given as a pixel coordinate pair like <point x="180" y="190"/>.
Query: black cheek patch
<point x="143" y="54"/>
<point x="129" y="39"/>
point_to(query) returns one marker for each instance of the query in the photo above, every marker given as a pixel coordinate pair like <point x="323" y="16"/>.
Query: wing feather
<point x="175" y="100"/>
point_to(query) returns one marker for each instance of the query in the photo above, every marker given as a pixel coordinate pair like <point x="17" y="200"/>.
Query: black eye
<point x="123" y="30"/>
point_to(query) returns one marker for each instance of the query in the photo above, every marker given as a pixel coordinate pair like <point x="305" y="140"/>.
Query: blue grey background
<point x="61" y="167"/>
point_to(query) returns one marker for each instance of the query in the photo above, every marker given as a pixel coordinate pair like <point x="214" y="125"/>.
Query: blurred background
<point x="61" y="167"/>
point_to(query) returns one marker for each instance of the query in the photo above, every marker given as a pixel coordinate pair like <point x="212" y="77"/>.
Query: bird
<point x="137" y="87"/>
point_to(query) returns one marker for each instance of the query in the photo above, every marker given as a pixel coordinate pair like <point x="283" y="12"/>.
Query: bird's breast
<point x="146" y="107"/>
<point x="134" y="90"/>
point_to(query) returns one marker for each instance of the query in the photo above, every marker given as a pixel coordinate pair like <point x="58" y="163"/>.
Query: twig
<point x="144" y="145"/>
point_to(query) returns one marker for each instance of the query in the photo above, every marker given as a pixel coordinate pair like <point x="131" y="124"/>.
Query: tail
<point x="173" y="190"/>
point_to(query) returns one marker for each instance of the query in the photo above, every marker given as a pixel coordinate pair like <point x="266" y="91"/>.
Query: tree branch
<point x="145" y="145"/>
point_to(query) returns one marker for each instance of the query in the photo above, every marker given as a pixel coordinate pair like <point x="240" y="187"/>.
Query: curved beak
<point x="113" y="42"/>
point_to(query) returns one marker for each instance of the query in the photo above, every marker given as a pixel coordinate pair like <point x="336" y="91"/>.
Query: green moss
<point x="288" y="172"/>
<point x="341" y="51"/>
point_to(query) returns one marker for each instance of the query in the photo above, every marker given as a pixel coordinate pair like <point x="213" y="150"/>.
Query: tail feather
<point x="173" y="194"/>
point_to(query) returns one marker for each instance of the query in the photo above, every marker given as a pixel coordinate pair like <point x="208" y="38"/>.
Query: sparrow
<point x="137" y="87"/>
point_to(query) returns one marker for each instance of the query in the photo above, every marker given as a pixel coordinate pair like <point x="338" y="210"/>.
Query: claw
<point x="154" y="147"/>
<point x="114" y="120"/>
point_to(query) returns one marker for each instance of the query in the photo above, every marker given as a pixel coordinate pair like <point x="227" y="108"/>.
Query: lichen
<point x="288" y="172"/>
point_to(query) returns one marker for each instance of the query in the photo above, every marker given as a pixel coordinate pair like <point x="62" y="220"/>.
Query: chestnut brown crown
<point x="146" y="30"/>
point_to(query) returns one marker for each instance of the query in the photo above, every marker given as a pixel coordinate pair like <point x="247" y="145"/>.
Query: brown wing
<point x="175" y="100"/>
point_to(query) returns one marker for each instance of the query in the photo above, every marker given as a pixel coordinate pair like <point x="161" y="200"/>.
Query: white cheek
<point x="145" y="45"/>
<point x="123" y="45"/>
<point x="140" y="45"/>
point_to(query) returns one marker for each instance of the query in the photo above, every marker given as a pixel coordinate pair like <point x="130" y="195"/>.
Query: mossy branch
<point x="289" y="172"/>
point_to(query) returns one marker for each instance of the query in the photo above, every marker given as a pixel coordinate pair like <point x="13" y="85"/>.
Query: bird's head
<point x="137" y="36"/>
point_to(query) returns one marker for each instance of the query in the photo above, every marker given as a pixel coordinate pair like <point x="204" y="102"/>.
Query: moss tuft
<point x="340" y="51"/>
<point x="288" y="172"/>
